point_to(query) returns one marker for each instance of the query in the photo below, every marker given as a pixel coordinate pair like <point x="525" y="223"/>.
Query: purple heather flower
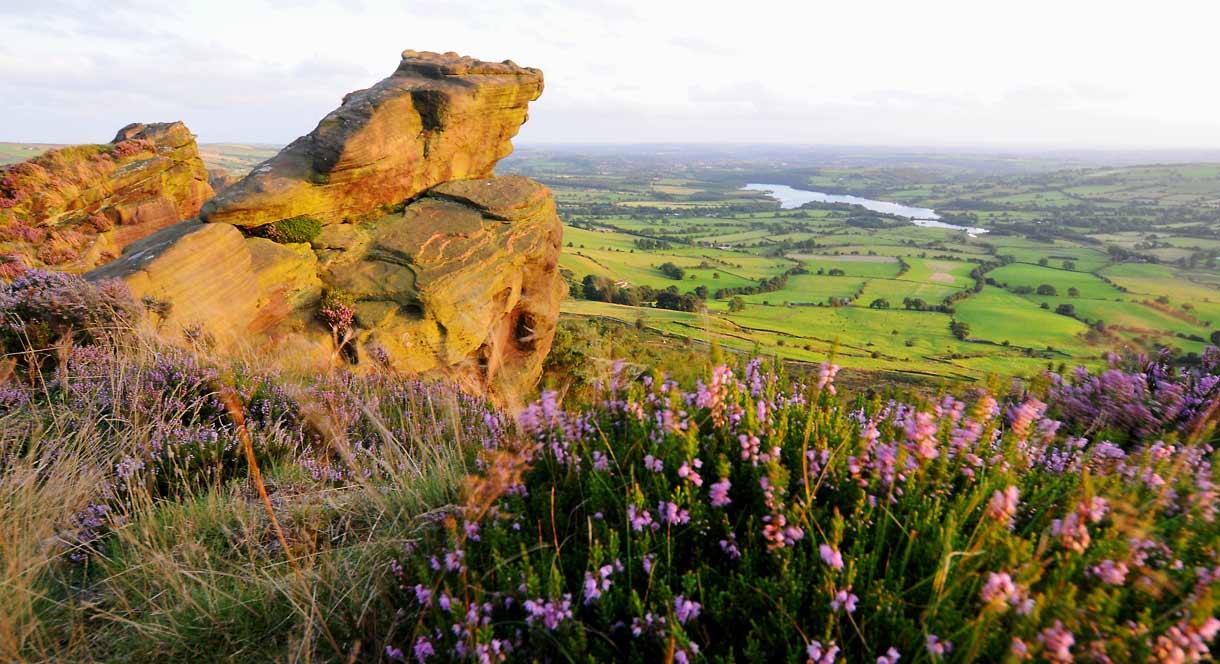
<point x="844" y="600"/>
<point x="891" y="656"/>
<point x="394" y="654"/>
<point x="654" y="464"/>
<point x="685" y="609"/>
<point x="423" y="649"/>
<point x="550" y="612"/>
<point x="423" y="594"/>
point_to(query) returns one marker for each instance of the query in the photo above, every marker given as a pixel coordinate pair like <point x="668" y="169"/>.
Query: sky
<point x="1068" y="73"/>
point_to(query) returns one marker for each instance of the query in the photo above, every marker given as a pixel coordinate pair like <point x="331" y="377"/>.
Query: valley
<point x="1074" y="263"/>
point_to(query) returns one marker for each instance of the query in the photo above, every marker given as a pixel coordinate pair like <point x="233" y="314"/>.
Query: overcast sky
<point x="1069" y="73"/>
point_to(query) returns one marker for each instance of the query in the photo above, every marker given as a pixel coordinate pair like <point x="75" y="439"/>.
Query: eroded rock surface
<point x="447" y="270"/>
<point x="76" y="207"/>
<point x="438" y="117"/>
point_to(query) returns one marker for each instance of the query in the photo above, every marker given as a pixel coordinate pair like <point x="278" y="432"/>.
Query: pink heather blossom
<point x="844" y="600"/>
<point x="830" y="556"/>
<point x="1072" y="532"/>
<point x="689" y="474"/>
<point x="1019" y="649"/>
<point x="720" y="493"/>
<point x="750" y="446"/>
<point x="1004" y="504"/>
<point x="639" y="518"/>
<point x="654" y="464"/>
<point x="669" y="513"/>
<point x="921" y="431"/>
<point x="821" y="655"/>
<point x="647" y="562"/>
<point x="891" y="656"/>
<point x="826" y="377"/>
<point x="1184" y="642"/>
<point x="1057" y="642"/>
<point x="1110" y="572"/>
<point x="937" y="648"/>
<point x="1001" y="592"/>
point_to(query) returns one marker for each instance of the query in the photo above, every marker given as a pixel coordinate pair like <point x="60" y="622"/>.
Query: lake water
<point x="789" y="198"/>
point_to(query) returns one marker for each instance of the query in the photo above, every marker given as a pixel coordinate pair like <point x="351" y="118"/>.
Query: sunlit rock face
<point x="436" y="118"/>
<point x="449" y="270"/>
<point x="77" y="207"/>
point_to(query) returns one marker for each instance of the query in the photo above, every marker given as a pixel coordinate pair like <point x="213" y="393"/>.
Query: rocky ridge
<point x="397" y="247"/>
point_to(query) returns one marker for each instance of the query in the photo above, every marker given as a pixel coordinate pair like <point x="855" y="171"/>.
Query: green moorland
<point x="1080" y="259"/>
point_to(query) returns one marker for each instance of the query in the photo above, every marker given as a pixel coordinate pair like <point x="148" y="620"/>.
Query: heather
<point x="753" y="519"/>
<point x="161" y="504"/>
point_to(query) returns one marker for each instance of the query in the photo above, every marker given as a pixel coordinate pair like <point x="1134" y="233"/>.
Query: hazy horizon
<point x="940" y="75"/>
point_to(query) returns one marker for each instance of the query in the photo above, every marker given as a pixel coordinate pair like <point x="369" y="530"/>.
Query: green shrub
<point x="293" y="230"/>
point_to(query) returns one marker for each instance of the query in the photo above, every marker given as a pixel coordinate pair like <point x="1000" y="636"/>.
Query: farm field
<point x="1077" y="262"/>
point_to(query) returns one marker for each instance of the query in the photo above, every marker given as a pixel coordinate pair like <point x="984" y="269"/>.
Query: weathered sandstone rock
<point x="438" y="117"/>
<point x="77" y="207"/>
<point x="444" y="273"/>
<point x="463" y="283"/>
<point x="221" y="179"/>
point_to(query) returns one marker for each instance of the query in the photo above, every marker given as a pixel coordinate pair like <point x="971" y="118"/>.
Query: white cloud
<point x="934" y="72"/>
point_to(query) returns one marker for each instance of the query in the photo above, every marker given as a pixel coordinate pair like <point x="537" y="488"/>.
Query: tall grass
<point x="130" y="531"/>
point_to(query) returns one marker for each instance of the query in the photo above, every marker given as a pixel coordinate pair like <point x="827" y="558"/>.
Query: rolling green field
<point x="1078" y="262"/>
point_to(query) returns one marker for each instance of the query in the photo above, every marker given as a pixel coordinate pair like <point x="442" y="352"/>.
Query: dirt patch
<point x="942" y="277"/>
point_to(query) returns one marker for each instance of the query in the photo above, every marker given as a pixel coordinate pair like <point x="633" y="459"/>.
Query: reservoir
<point x="790" y="198"/>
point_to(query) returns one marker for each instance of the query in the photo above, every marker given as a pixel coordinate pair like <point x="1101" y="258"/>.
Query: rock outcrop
<point x="428" y="263"/>
<point x="436" y="118"/>
<point x="75" y="208"/>
<point x="221" y="179"/>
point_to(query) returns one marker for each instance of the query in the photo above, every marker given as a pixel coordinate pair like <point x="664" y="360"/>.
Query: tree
<point x="1066" y="310"/>
<point x="1047" y="289"/>
<point x="1074" y="292"/>
<point x="1043" y="262"/>
<point x="672" y="271"/>
<point x="1069" y="265"/>
<point x="738" y="304"/>
<point x="879" y="303"/>
<point x="959" y="330"/>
